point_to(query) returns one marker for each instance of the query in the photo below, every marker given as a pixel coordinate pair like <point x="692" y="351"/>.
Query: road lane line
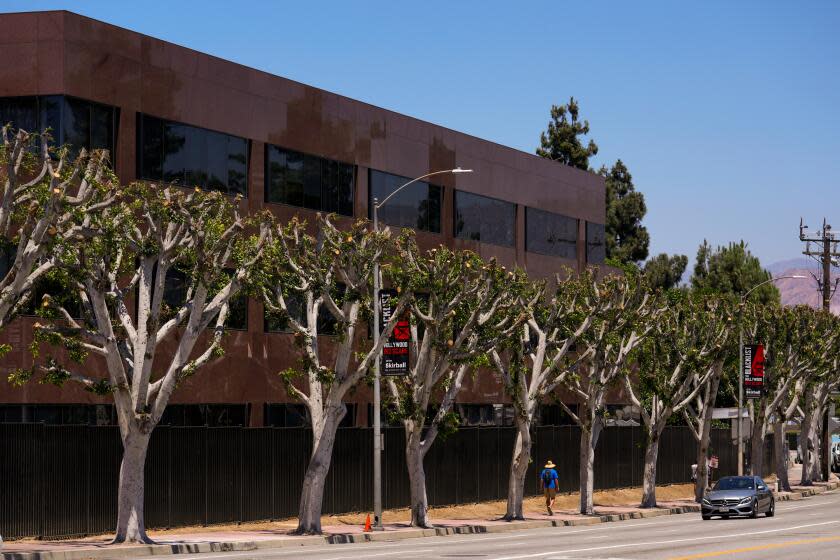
<point x="754" y="548"/>
<point x="393" y="553"/>
<point x="651" y="543"/>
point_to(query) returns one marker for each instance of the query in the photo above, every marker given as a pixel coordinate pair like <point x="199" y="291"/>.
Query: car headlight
<point x="707" y="502"/>
<point x="746" y="500"/>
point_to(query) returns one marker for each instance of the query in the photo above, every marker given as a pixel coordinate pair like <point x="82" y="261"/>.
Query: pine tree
<point x="561" y="141"/>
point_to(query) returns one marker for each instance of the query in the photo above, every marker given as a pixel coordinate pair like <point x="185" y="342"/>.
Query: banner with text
<point x="395" y="351"/>
<point x="753" y="374"/>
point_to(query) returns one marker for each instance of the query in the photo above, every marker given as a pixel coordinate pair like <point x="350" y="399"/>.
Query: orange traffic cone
<point x="367" y="524"/>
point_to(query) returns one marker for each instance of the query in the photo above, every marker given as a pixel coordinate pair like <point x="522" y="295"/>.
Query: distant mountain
<point x="801" y="262"/>
<point x="802" y="291"/>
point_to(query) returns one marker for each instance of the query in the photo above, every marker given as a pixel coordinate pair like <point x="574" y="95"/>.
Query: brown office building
<point x="168" y="113"/>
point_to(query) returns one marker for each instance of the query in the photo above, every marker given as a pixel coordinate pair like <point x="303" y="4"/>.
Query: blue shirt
<point x="552" y="477"/>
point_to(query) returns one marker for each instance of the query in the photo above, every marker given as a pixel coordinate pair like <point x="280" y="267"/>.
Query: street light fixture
<point x="741" y="364"/>
<point x="377" y="421"/>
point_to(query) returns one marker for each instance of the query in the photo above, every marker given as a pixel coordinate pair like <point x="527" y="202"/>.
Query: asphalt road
<point x="805" y="529"/>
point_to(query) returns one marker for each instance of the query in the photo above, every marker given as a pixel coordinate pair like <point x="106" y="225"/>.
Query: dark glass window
<point x="237" y="318"/>
<point x="596" y="249"/>
<point x="556" y="415"/>
<point x="292" y="415"/>
<point x="417" y="206"/>
<point x="484" y="219"/>
<point x="308" y="181"/>
<point x="327" y="324"/>
<point x="213" y="415"/>
<point x="73" y="121"/>
<point x="191" y="156"/>
<point x="550" y="234"/>
<point x="57" y="414"/>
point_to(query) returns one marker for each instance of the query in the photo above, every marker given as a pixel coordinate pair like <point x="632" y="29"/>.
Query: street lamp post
<point x="377" y="420"/>
<point x="741" y="366"/>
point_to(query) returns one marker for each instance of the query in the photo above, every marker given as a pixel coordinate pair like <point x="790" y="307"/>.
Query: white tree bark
<point x="50" y="194"/>
<point x="316" y="266"/>
<point x="781" y="456"/>
<point x="518" y="469"/>
<point x="172" y="224"/>
<point x="699" y="418"/>
<point x="590" y="432"/>
<point x="415" y="453"/>
<point x="312" y="494"/>
<point x="131" y="526"/>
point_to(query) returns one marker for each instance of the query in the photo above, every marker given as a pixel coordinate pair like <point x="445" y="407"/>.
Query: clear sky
<point x="726" y="113"/>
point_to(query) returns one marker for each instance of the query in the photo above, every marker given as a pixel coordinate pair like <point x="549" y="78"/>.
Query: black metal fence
<point x="61" y="481"/>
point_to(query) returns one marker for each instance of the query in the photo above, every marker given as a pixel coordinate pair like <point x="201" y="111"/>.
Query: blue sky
<point x="726" y="113"/>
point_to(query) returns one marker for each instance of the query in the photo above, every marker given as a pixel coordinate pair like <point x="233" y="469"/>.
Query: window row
<point x="281" y="415"/>
<point x="309" y="181"/>
<point x="72" y="121"/>
<point x="191" y="156"/>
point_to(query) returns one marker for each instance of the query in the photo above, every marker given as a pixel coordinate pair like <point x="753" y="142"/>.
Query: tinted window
<point x="734" y="483"/>
<point x="327" y="324"/>
<point x="191" y="156"/>
<point x="417" y="206"/>
<point x="484" y="219"/>
<point x="73" y="121"/>
<point x="309" y="181"/>
<point x="550" y="234"/>
<point x="297" y="416"/>
<point x="596" y="250"/>
<point x="205" y="415"/>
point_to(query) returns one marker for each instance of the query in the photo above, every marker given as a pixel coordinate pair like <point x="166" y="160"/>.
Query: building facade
<point x="168" y="113"/>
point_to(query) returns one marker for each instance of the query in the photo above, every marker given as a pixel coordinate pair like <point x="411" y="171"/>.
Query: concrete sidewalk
<point x="232" y="541"/>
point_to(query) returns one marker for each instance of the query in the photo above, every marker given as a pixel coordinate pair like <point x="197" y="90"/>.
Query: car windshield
<point x="734" y="483"/>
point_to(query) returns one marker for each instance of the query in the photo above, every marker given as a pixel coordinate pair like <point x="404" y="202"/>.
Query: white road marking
<point x="393" y="553"/>
<point x="672" y="541"/>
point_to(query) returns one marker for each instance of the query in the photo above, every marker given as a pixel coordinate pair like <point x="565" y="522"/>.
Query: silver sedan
<point x="738" y="495"/>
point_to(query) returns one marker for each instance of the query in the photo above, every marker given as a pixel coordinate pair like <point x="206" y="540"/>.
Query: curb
<point x="136" y="551"/>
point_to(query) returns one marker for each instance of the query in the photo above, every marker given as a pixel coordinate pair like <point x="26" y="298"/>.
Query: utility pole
<point x="827" y="254"/>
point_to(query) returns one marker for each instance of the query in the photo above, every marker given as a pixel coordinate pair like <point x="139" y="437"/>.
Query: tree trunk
<point x="649" y="481"/>
<point x="417" y="477"/>
<point x="705" y="431"/>
<point x="518" y="469"/>
<point x="806" y="442"/>
<point x="757" y="447"/>
<point x="312" y="494"/>
<point x="131" y="524"/>
<point x="781" y="456"/>
<point x="588" y="440"/>
<point x="816" y="456"/>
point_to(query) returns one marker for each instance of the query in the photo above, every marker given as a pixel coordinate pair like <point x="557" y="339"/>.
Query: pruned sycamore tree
<point x="763" y="324"/>
<point x="623" y="312"/>
<point x="797" y="351"/>
<point x="44" y="200"/>
<point x="535" y="361"/>
<point x="461" y="307"/>
<point x="675" y="361"/>
<point x="149" y="233"/>
<point x="303" y="277"/>
<point x="817" y="394"/>
<point x="698" y="416"/>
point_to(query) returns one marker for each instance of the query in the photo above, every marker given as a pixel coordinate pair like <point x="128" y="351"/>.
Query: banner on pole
<point x="395" y="351"/>
<point x="753" y="374"/>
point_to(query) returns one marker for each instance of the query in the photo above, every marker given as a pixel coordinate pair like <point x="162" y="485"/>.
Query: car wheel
<point x="771" y="511"/>
<point x="754" y="510"/>
<point x="706" y="517"/>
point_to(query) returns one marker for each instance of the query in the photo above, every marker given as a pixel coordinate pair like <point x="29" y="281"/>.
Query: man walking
<point x="550" y="483"/>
